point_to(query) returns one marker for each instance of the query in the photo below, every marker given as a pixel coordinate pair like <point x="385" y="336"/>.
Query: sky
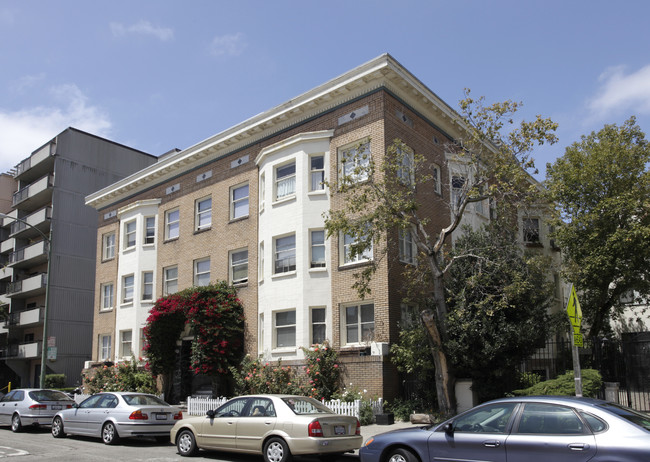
<point x="160" y="74"/>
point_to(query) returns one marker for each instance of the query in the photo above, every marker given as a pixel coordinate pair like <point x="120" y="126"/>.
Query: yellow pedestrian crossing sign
<point x="575" y="316"/>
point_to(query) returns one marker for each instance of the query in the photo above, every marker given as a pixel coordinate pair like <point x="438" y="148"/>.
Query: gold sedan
<point x="276" y="426"/>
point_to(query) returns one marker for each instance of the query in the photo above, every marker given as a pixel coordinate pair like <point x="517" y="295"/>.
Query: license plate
<point x="161" y="416"/>
<point x="57" y="407"/>
<point x="339" y="430"/>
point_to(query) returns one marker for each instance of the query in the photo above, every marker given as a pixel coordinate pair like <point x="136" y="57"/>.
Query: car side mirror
<point x="211" y="413"/>
<point x="449" y="428"/>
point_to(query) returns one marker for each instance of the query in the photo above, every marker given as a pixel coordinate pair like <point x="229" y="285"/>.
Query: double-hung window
<point x="406" y="167"/>
<point x="355" y="162"/>
<point x="129" y="234"/>
<point x="202" y="272"/>
<point x="172" y="224"/>
<point x="285" y="254"/>
<point x="126" y="343"/>
<point x="435" y="177"/>
<point x="318" y="326"/>
<point x="108" y="247"/>
<point x="170" y="280"/>
<point x="457" y="191"/>
<point x="359" y="323"/>
<point x="107" y="296"/>
<point x="285" y="181"/>
<point x="149" y="230"/>
<point x="239" y="266"/>
<point x="407" y="249"/>
<point x="127" y="288"/>
<point x="317" y="173"/>
<point x="317" y="248"/>
<point x="203" y="210"/>
<point x="147" y="285"/>
<point x="348" y="258"/>
<point x="104" y="347"/>
<point x="239" y="202"/>
<point x="531" y="230"/>
<point x="285" y="329"/>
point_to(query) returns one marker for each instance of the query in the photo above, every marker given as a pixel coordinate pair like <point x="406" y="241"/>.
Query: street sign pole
<point x="575" y="318"/>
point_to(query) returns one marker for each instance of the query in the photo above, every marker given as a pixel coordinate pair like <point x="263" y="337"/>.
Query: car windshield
<point x="638" y="418"/>
<point x="302" y="406"/>
<point x="48" y="395"/>
<point x="143" y="400"/>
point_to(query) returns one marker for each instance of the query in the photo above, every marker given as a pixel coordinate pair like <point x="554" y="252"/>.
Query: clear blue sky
<point x="161" y="74"/>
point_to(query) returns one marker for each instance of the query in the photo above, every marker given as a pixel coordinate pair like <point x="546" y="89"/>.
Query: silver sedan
<point x="32" y="406"/>
<point x="113" y="415"/>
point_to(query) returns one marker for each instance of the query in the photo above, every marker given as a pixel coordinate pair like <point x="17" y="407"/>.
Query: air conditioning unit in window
<point x="379" y="348"/>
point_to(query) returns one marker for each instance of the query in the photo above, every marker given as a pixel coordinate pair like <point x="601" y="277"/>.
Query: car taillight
<point x="358" y="432"/>
<point x="69" y="406"/>
<point x="38" y="406"/>
<point x="314" y="429"/>
<point x="138" y="415"/>
<point x="178" y="416"/>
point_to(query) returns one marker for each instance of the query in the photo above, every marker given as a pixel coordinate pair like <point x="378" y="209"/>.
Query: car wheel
<point x="109" y="433"/>
<point x="401" y="455"/>
<point x="186" y="443"/>
<point x="16" y="425"/>
<point x="57" y="428"/>
<point x="276" y="450"/>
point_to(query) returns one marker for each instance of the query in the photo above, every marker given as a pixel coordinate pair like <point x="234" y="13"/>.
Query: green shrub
<point x="403" y="408"/>
<point x="54" y="381"/>
<point x="564" y="385"/>
<point x="322" y="371"/>
<point x="366" y="417"/>
<point x="258" y="376"/>
<point x="120" y="377"/>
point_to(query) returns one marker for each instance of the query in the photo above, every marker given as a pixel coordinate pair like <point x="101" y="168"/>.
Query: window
<point x="406" y="168"/>
<point x="549" y="419"/>
<point x="143" y="340"/>
<point x="239" y="266"/>
<point x="318" y="325"/>
<point x="108" y="246"/>
<point x="317" y="173"/>
<point x="360" y="323"/>
<point x="172" y="224"/>
<point x="285" y="254"/>
<point x="149" y="230"/>
<point x="348" y="242"/>
<point x="285" y="181"/>
<point x="485" y="419"/>
<point x="457" y="191"/>
<point x="435" y="177"/>
<point x="260" y="262"/>
<point x="107" y="296"/>
<point x="147" y="285"/>
<point x="260" y="339"/>
<point x="104" y="347"/>
<point x="262" y="190"/>
<point x="285" y="329"/>
<point x="407" y="249"/>
<point x="317" y="249"/>
<point x="129" y="234"/>
<point x="126" y="342"/>
<point x="355" y="162"/>
<point x="202" y="272"/>
<point x="127" y="289"/>
<point x="531" y="230"/>
<point x="239" y="202"/>
<point x="203" y="210"/>
<point x="170" y="281"/>
<point x="408" y="315"/>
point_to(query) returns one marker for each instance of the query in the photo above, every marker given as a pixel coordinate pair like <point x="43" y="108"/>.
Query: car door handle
<point x="578" y="446"/>
<point x="267" y="422"/>
<point x="491" y="444"/>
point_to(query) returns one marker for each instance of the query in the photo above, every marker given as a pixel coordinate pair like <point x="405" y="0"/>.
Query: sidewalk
<point x="371" y="430"/>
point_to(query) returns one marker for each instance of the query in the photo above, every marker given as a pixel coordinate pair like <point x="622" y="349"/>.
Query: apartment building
<point x="246" y="206"/>
<point x="47" y="241"/>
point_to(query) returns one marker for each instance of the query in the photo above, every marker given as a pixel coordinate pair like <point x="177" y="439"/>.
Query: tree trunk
<point x="445" y="380"/>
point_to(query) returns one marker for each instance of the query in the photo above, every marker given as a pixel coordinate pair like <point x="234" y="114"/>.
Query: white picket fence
<point x="199" y="406"/>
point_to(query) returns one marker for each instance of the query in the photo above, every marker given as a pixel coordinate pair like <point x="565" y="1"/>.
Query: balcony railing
<point x="28" y="253"/>
<point x="33" y="189"/>
<point x="22" y="350"/>
<point x="27" y="286"/>
<point x="38" y="219"/>
<point x="24" y="318"/>
<point x="36" y="159"/>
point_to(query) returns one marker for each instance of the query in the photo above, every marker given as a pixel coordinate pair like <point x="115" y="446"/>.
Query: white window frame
<point x="316" y="172"/>
<point x="349" y="161"/>
<point x="104" y="353"/>
<point x="172" y="223"/>
<point x="287" y="250"/>
<point x="200" y="273"/>
<point x="407" y="248"/>
<point x="126" y="288"/>
<point x="149" y="227"/>
<point x="286" y="326"/>
<point x="142" y="340"/>
<point x="318" y="245"/>
<point x="167" y="280"/>
<point x="262" y="191"/>
<point x="437" y="185"/>
<point x="345" y="242"/>
<point x="237" y="264"/>
<point x="313" y="323"/>
<point x="286" y="179"/>
<point x="108" y="246"/>
<point x="130" y="234"/>
<point x="236" y="202"/>
<point x="203" y="217"/>
<point x="260" y="337"/>
<point x="406" y="169"/>
<point x="358" y="324"/>
<point x="260" y="263"/>
<point x="147" y="284"/>
<point x="124" y="342"/>
<point x="457" y="188"/>
<point x="111" y="296"/>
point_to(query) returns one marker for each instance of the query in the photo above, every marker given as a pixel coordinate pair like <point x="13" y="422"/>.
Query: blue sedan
<point x="523" y="429"/>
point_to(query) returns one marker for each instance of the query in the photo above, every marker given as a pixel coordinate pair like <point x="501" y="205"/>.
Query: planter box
<point x="384" y="419"/>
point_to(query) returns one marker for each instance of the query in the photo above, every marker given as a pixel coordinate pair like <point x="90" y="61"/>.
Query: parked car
<point x="32" y="406"/>
<point x="115" y="415"/>
<point x="276" y="426"/>
<point x="523" y="429"/>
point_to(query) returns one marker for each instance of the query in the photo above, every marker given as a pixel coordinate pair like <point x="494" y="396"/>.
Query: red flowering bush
<point x="126" y="376"/>
<point x="323" y="371"/>
<point x="259" y="376"/>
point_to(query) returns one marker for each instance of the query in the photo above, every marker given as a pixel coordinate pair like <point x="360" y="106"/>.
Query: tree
<point x="491" y="163"/>
<point x="601" y="187"/>
<point x="499" y="300"/>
